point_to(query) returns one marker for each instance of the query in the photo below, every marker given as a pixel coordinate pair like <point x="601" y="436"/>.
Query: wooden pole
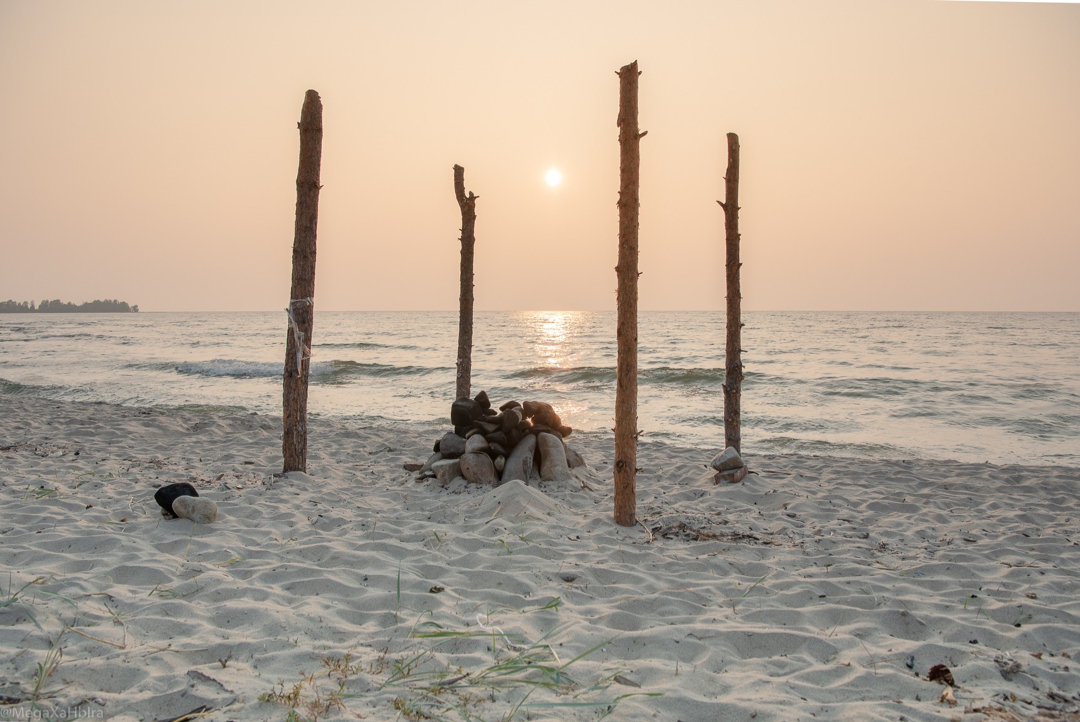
<point x="733" y="371"/>
<point x="301" y="308"/>
<point x="626" y="433"/>
<point x="465" y="298"/>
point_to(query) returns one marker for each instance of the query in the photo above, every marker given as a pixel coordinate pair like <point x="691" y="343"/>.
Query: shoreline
<point x="803" y="590"/>
<point x="883" y="386"/>
<point x="436" y="427"/>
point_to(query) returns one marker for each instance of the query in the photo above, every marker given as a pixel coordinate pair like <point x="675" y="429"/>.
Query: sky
<point x="904" y="155"/>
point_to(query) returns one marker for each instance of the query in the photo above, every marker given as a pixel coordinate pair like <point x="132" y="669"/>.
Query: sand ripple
<point x="817" y="587"/>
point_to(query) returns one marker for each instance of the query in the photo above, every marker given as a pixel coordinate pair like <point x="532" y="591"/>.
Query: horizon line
<point x="611" y="310"/>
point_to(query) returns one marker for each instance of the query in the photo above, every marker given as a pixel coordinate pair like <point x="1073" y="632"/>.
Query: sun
<point x="553" y="177"/>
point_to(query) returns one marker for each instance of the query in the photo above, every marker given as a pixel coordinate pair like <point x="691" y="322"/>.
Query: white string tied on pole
<point x="298" y="335"/>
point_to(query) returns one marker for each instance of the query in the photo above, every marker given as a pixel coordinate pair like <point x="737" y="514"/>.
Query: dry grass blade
<point x="47" y="667"/>
<point x="531" y="669"/>
<point x="13" y="599"/>
<point x="96" y="639"/>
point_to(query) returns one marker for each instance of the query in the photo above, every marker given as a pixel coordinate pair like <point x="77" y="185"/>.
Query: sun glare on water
<point x="553" y="177"/>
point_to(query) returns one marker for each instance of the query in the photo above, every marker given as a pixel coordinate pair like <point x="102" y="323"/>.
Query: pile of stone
<point x="729" y="466"/>
<point x="518" y="441"/>
<point x="182" y="500"/>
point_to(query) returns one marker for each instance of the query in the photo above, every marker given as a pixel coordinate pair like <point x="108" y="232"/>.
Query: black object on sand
<point x="166" y="495"/>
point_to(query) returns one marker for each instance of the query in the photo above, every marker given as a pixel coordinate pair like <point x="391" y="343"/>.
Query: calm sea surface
<point x="1000" y="387"/>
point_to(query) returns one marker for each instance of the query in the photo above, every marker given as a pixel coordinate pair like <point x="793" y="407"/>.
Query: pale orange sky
<point x="905" y="155"/>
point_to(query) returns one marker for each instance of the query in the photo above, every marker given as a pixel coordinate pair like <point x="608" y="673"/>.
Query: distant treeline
<point x="106" y="306"/>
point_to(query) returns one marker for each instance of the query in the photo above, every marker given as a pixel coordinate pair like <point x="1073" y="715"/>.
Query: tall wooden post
<point x="626" y="433"/>
<point x="465" y="298"/>
<point x="301" y="308"/>
<point x="733" y="371"/>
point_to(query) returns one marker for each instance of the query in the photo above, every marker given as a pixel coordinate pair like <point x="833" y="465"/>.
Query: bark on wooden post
<point x="733" y="372"/>
<point x="626" y="433"/>
<point x="465" y="299"/>
<point x="301" y="308"/>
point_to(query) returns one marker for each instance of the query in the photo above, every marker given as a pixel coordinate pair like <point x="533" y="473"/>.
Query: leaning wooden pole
<point x="733" y="371"/>
<point x="626" y="433"/>
<point x="465" y="298"/>
<point x="301" y="308"/>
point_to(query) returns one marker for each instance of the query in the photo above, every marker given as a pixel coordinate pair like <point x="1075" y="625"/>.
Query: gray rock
<point x="553" y="466"/>
<point x="541" y="429"/>
<point x="510" y="419"/>
<point x="531" y="408"/>
<point x="732" y="476"/>
<point x="513" y="438"/>
<point x="478" y="468"/>
<point x="451" y="446"/>
<point x="500" y="463"/>
<point x="426" y="468"/>
<point x="729" y="460"/>
<point x="464" y="411"/>
<point x="476" y="445"/>
<point x="446" y="470"/>
<point x="198" y="509"/>
<point x="457" y="485"/>
<point x="520" y="462"/>
<point x="573" y="458"/>
<point x="542" y="413"/>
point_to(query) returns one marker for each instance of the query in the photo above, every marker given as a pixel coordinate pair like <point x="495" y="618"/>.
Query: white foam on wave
<point x="235" y="368"/>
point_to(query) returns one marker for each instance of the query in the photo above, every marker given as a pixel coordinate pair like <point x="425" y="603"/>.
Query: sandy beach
<point x="818" y="588"/>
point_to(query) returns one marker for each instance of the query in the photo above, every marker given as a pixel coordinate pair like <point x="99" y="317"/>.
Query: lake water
<point x="999" y="387"/>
